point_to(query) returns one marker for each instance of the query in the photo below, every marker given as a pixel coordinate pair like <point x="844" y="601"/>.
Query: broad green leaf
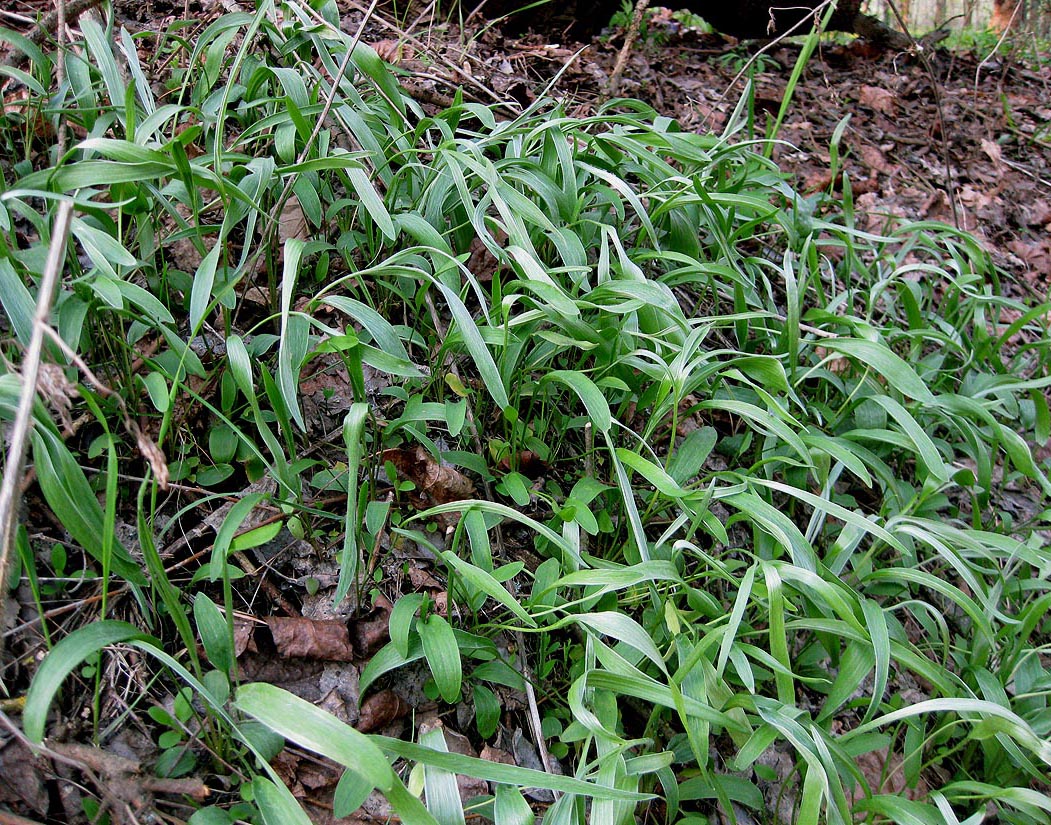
<point x="157" y="388"/>
<point x="591" y="396"/>
<point x="885" y="361"/>
<point x="288" y="360"/>
<point x="511" y="808"/>
<point x="214" y="632"/>
<point x="400" y="622"/>
<point x="500" y="772"/>
<point x="901" y="811"/>
<point x="1016" y="727"/>
<point x="317" y="730"/>
<point x="240" y="511"/>
<point x="440" y="787"/>
<point x="472" y="338"/>
<point x="371" y="200"/>
<point x="17" y="302"/>
<point x="442" y="654"/>
<point x="488" y="585"/>
<point x="386" y="659"/>
<point x="63" y="659"/>
<point x="276" y="803"/>
<point x="71" y="498"/>
<point x="486" y="710"/>
<point x="653" y="473"/>
<point x="624" y="629"/>
<point x="353" y="441"/>
<point x="203" y="283"/>
<point x="351" y="791"/>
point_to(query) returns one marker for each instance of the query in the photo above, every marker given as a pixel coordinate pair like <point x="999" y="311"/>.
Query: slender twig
<point x="796" y="29"/>
<point x="534" y="711"/>
<point x="19" y="440"/>
<point x="72" y="10"/>
<point x="1000" y="41"/>
<point x="943" y="126"/>
<point x="147" y="447"/>
<point x="630" y="37"/>
<point x="60" y="77"/>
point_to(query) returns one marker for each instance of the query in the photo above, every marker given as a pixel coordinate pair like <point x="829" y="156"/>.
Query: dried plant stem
<point x="629" y="40"/>
<point x="16" y="454"/>
<point x="534" y="710"/>
<point x="71" y="10"/>
<point x="943" y="126"/>
<point x="60" y="77"/>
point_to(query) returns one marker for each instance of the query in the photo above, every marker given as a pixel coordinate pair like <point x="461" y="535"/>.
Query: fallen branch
<point x="47" y="27"/>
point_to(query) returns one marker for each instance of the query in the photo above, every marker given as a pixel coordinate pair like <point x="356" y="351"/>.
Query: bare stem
<point x="16" y="454"/>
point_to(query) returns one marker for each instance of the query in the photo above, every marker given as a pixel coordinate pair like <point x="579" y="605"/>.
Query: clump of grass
<point x="774" y="515"/>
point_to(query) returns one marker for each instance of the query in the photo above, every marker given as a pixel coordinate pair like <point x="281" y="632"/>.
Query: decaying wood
<point x="1004" y="14"/>
<point x="777" y="18"/>
<point x="772" y="18"/>
<point x="47" y="26"/>
<point x="748" y="19"/>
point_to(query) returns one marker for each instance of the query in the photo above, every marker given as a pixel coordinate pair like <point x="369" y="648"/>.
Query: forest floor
<point x="959" y="137"/>
<point x="975" y="125"/>
<point x="962" y="137"/>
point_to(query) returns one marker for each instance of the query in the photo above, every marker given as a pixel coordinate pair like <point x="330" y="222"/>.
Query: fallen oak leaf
<point x="299" y="637"/>
<point x="435" y="483"/>
<point x="380" y="709"/>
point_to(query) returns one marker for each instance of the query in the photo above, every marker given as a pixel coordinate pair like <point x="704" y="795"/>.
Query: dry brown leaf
<point x="373" y="631"/>
<point x="878" y="99"/>
<point x="423" y="580"/>
<point x="884" y="774"/>
<point x="299" y="637"/>
<point x="244" y="636"/>
<point x="1040" y="213"/>
<point x="58" y="391"/>
<point x="20" y="778"/>
<point x="490" y="754"/>
<point x="293" y="223"/>
<point x="435" y="483"/>
<point x="390" y="51"/>
<point x="837" y="364"/>
<point x="874" y="159"/>
<point x="1036" y="254"/>
<point x="995" y="154"/>
<point x="482" y="263"/>
<point x="380" y="709"/>
<point x="528" y="464"/>
<point x="154" y="457"/>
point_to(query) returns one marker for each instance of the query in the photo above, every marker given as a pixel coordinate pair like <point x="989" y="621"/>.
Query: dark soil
<point x="945" y="136"/>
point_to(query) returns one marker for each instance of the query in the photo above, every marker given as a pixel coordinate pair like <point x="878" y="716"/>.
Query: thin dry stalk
<point x="60" y="78"/>
<point x="16" y="454"/>
<point x="49" y="24"/>
<point x="629" y="40"/>
<point x="535" y="725"/>
<point x="921" y="52"/>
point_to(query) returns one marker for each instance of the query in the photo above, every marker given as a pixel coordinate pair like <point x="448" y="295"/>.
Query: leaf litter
<point x="995" y="127"/>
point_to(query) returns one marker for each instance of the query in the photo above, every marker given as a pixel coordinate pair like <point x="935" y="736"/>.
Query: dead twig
<point x="65" y="13"/>
<point x="629" y="40"/>
<point x="534" y="710"/>
<point x="921" y="52"/>
<point x="60" y="78"/>
<point x="19" y="443"/>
